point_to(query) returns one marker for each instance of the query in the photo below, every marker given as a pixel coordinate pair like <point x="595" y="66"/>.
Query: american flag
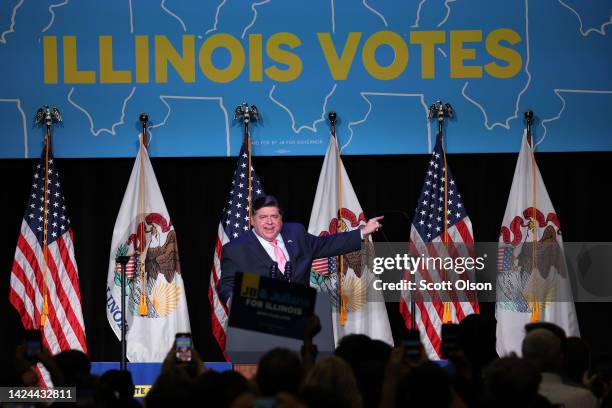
<point x="48" y="277"/>
<point x="130" y="267"/>
<point x="427" y="229"/>
<point x="325" y="266"/>
<point x="234" y="222"/>
<point x="504" y="258"/>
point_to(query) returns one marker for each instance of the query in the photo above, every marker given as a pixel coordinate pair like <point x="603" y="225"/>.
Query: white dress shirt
<point x="267" y="245"/>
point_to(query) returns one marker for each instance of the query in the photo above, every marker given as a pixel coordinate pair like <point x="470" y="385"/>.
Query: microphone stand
<point x="123" y="260"/>
<point x="274" y="270"/>
<point x="288" y="271"/>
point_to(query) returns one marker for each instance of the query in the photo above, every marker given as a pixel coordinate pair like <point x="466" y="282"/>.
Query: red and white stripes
<point x="64" y="328"/>
<point x="219" y="313"/>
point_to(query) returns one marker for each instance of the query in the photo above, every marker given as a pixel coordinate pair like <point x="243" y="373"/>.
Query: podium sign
<point x="271" y="306"/>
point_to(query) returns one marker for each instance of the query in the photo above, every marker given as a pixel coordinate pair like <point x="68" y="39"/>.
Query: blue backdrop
<point x="378" y="63"/>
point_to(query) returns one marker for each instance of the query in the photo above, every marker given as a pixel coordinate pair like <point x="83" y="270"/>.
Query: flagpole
<point x="441" y="111"/>
<point x="529" y="120"/>
<point x="535" y="304"/>
<point x="248" y="114"/>
<point x="48" y="115"/>
<point x="45" y="308"/>
<point x="123" y="260"/>
<point x="247" y="140"/>
<point x="142" y="307"/>
<point x="341" y="303"/>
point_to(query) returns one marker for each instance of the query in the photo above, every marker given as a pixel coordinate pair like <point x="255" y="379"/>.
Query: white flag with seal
<point x="366" y="312"/>
<point x="155" y="292"/>
<point x="532" y="280"/>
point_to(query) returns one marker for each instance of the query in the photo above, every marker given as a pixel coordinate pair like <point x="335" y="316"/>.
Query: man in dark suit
<point x="282" y="250"/>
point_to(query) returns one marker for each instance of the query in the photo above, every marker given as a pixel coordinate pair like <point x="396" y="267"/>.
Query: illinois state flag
<point x="155" y="293"/>
<point x="532" y="279"/>
<point x="362" y="316"/>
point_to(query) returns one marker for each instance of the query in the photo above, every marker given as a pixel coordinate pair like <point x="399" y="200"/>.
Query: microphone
<point x="274" y="270"/>
<point x="288" y="271"/>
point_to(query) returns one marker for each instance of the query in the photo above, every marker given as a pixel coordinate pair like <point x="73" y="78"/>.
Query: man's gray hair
<point x="542" y="348"/>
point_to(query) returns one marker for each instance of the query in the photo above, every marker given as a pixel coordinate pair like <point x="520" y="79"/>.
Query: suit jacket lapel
<point x="259" y="249"/>
<point x="290" y="245"/>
